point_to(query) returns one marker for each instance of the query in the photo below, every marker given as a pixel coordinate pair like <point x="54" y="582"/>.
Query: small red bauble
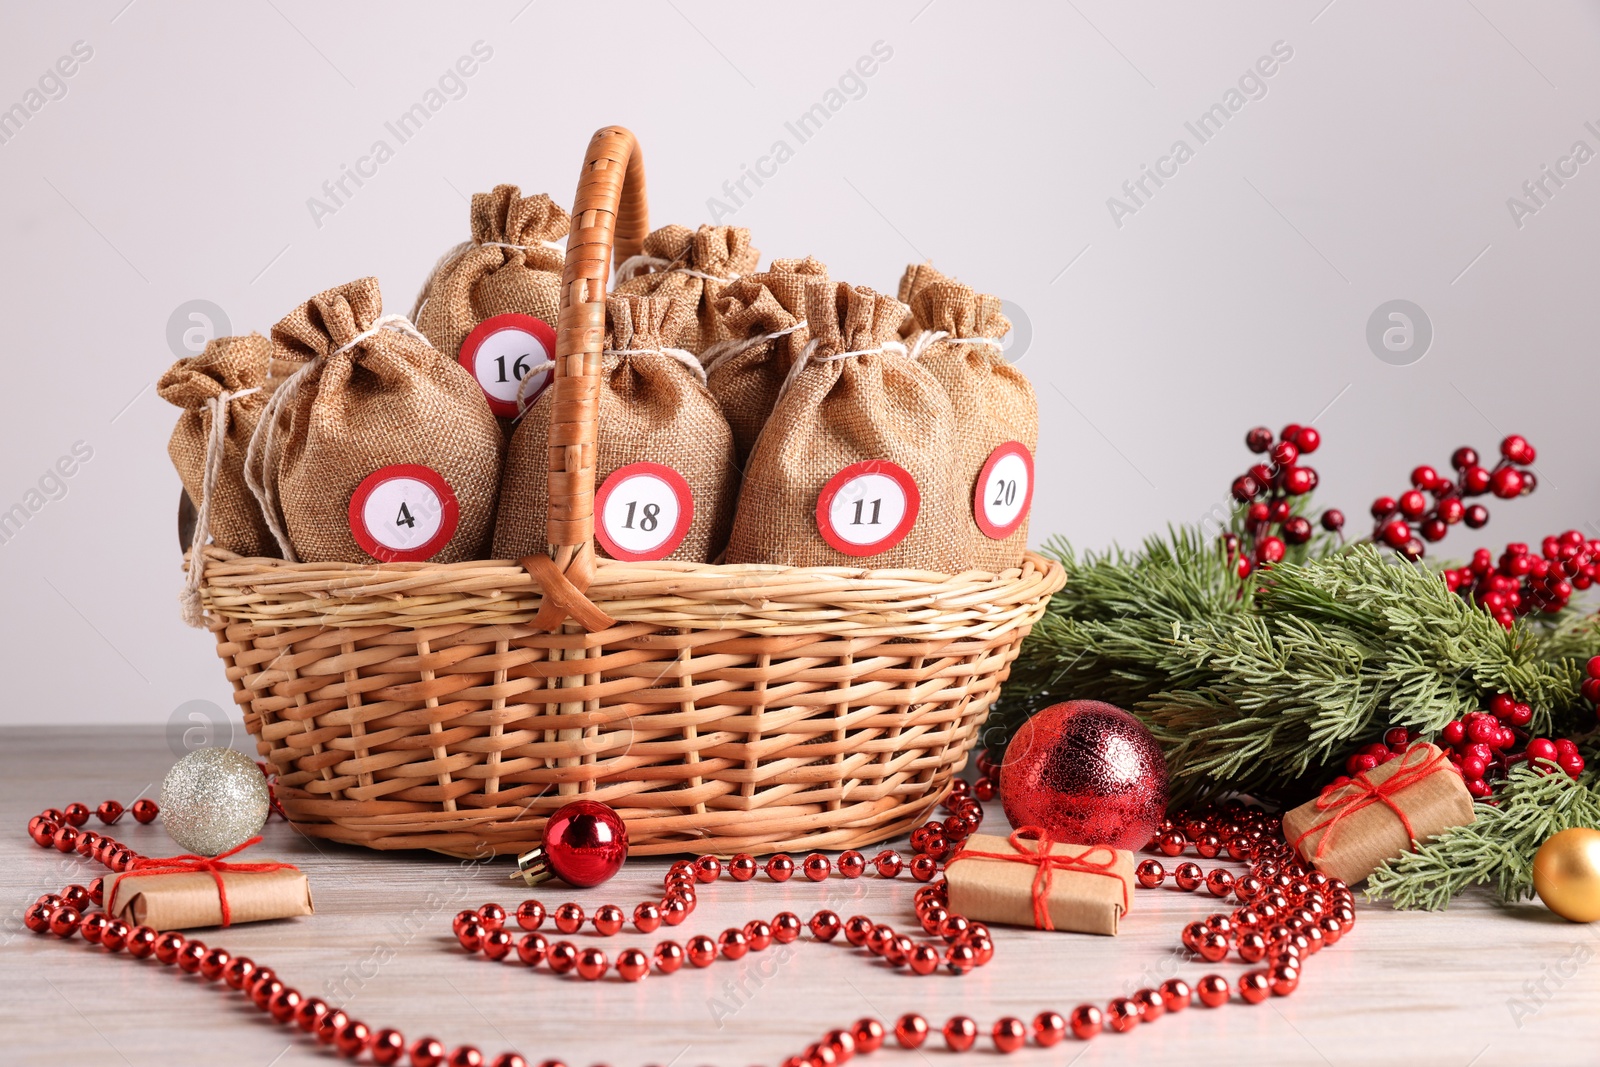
<point x="1213" y="990"/>
<point x="911" y="1030"/>
<point x="1085" y="772"/>
<point x="1085" y="1021"/>
<point x="960" y="1033"/>
<point x="1048" y="1029"/>
<point x="585" y="843"/>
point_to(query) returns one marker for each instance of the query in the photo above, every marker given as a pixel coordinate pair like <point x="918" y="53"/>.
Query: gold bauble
<point x="1566" y="874"/>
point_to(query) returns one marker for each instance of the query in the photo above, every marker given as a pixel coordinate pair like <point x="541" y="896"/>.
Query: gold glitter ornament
<point x="212" y="800"/>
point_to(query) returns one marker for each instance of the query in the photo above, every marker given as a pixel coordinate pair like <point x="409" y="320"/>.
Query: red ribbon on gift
<point x="1362" y="792"/>
<point x="1047" y="865"/>
<point x="212" y="865"/>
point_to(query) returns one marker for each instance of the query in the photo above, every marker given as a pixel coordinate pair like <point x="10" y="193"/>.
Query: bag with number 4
<point x="664" y="471"/>
<point x="995" y="408"/>
<point x="856" y="465"/>
<point x="764" y="317"/>
<point x="695" y="266"/>
<point x="491" y="302"/>
<point x="377" y="447"/>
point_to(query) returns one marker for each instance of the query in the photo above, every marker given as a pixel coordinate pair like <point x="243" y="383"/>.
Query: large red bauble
<point x="586" y="843"/>
<point x="1087" y="773"/>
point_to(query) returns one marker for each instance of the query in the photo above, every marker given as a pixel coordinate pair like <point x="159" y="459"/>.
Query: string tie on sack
<point x="928" y="338"/>
<point x="218" y="407"/>
<point x="634" y="266"/>
<point x="726" y="350"/>
<point x="448" y="260"/>
<point x="809" y="355"/>
<point x="687" y="358"/>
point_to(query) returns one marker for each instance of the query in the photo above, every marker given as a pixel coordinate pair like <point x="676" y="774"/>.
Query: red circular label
<point x="502" y="350"/>
<point x="1004" y="491"/>
<point x="868" y="507"/>
<point x="403" y="513"/>
<point x="643" y="512"/>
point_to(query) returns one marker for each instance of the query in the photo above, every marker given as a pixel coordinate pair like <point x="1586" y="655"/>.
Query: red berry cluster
<point x="1591" y="683"/>
<point x="1481" y="745"/>
<point x="1267" y="488"/>
<point x="1397" y="521"/>
<point x="1394" y="744"/>
<point x="1522" y="583"/>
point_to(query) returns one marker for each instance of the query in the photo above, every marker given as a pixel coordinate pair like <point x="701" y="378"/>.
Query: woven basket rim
<point x="759" y="599"/>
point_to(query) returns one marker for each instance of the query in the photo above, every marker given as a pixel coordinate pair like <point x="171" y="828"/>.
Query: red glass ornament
<point x="1175" y="993"/>
<point x="1049" y="1028"/>
<point x="960" y="1033"/>
<point x="911" y="1030"/>
<point x="869" y="1035"/>
<point x="1009" y="1034"/>
<point x="1122" y="1014"/>
<point x="1085" y="772"/>
<point x="387" y="1047"/>
<point x="427" y="1052"/>
<point x="585" y="843"/>
<point x="1213" y="990"/>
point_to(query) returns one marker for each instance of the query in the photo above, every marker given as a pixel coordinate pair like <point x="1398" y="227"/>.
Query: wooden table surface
<point x="1477" y="985"/>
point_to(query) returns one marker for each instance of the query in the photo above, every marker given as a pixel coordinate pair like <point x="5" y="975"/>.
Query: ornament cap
<point x="533" y="867"/>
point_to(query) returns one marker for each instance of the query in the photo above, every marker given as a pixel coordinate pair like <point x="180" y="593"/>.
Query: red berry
<point x="1297" y="531"/>
<point x="1396" y="533"/>
<point x="1476" y="516"/>
<point x="1383" y="507"/>
<point x="1451" y="510"/>
<point x="1463" y="458"/>
<point x="1245" y="488"/>
<point x="1333" y="520"/>
<point x="1278" y="511"/>
<point x="1433" y="529"/>
<point x="1424" y="477"/>
<point x="1298" y="481"/>
<point x="1412" y="504"/>
<point x="1309" y="439"/>
<point x="1542" y="748"/>
<point x="1258" y="439"/>
<point x="1506" y="483"/>
<point x="1284" y="453"/>
<point x="1397" y="737"/>
<point x="1258" y="512"/>
<point x="1478" y="788"/>
<point x="1453" y="733"/>
<point x="1572" y="764"/>
<point x="1517" y="449"/>
<point x="1270" y="550"/>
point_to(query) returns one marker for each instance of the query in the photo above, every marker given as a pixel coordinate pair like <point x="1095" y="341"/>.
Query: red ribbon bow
<point x="1362" y="792"/>
<point x="212" y="865"/>
<point x="1047" y="865"/>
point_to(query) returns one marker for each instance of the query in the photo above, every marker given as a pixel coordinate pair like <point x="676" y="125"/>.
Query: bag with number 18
<point x="664" y="469"/>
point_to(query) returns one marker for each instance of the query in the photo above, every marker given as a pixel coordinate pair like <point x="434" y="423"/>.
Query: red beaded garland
<point x="1286" y="914"/>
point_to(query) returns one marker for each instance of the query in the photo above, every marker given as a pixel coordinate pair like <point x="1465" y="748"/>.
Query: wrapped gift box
<point x="1027" y="881"/>
<point x="1349" y="832"/>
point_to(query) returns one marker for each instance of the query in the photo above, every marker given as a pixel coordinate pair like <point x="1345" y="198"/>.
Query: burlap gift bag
<point x="856" y="465"/>
<point x="763" y="316"/>
<point x="996" y="411"/>
<point x="483" y="292"/>
<point x="664" y="471"/>
<point x="378" y="447"/>
<point x="694" y="265"/>
<point x="222" y="392"/>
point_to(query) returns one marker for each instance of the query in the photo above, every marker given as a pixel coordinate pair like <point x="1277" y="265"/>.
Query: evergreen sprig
<point x="1264" y="686"/>
<point x="1497" y="849"/>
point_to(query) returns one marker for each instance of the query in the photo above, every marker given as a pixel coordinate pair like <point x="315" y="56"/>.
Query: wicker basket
<point x="718" y="708"/>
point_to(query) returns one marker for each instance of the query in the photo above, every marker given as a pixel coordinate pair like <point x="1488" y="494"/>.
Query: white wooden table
<point x="1477" y="985"/>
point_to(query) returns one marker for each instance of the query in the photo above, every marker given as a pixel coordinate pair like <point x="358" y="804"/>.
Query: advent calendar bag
<point x="221" y="391"/>
<point x="996" y="411"/>
<point x="694" y="265"/>
<point x="377" y="447"/>
<point x="763" y="316"/>
<point x="857" y="464"/>
<point x="491" y="302"/>
<point x="664" y="465"/>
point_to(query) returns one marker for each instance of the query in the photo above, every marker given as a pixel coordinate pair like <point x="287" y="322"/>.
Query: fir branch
<point x="1497" y="849"/>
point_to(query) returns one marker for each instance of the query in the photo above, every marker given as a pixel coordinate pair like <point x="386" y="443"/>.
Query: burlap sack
<point x="653" y="407"/>
<point x="918" y="276"/>
<point x="763" y="316"/>
<point x="854" y="396"/>
<point x="371" y="393"/>
<point x="512" y="265"/>
<point x="225" y="382"/>
<point x="694" y="265"/>
<point x="993" y="402"/>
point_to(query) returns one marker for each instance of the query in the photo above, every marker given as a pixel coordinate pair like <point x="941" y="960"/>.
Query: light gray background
<point x="1377" y="166"/>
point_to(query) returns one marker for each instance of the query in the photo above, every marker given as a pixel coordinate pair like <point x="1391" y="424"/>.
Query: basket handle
<point x="610" y="218"/>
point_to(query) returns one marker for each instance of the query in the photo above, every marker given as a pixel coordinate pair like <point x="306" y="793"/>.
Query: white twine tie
<point x="928" y="338"/>
<point x="687" y="358"/>
<point x="809" y="356"/>
<point x="722" y="351"/>
<point x="189" y="599"/>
